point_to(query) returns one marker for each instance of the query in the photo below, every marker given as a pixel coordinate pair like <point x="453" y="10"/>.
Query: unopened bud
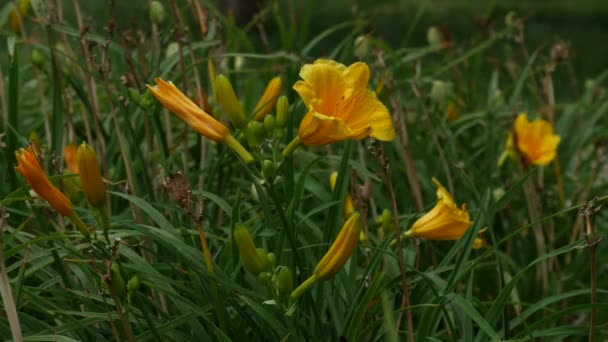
<point x="90" y="176"/>
<point x="272" y="260"/>
<point x="511" y="19"/>
<point x="230" y="103"/>
<point x="250" y="256"/>
<point x="269" y="99"/>
<point x="284" y="280"/>
<point x="269" y="124"/>
<point x="386" y="222"/>
<point x="268" y="169"/>
<point x="172" y="49"/>
<point x="439" y="91"/>
<point x="362" y="46"/>
<point x="37" y="58"/>
<point x="157" y="12"/>
<point x="434" y="36"/>
<point x="282" y="108"/>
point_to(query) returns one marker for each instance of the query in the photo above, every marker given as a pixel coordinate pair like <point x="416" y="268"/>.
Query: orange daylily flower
<point x="29" y="167"/>
<point x="179" y="104"/>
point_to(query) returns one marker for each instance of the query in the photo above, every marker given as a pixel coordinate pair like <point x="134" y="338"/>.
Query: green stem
<point x="80" y="225"/>
<point x="288" y="151"/>
<point x="408" y="234"/>
<point x="239" y="149"/>
<point x="105" y="222"/>
<point x="305" y="286"/>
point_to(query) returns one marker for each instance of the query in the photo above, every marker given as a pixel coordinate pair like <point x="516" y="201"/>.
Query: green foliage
<point x="170" y="269"/>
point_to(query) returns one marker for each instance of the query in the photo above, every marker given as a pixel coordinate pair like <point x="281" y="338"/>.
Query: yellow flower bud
<point x="90" y="176"/>
<point x="269" y="99"/>
<point x="230" y="103"/>
<point x="336" y="257"/>
<point x="349" y="206"/>
<point x="250" y="256"/>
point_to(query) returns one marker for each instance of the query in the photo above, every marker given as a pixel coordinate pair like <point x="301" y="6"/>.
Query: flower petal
<point x="368" y="116"/>
<point x="317" y="129"/>
<point x="325" y="80"/>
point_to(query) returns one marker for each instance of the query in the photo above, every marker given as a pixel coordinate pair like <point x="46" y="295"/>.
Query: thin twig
<point x="405" y="300"/>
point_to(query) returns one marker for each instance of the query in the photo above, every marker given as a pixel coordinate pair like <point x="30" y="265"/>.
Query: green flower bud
<point x="268" y="169"/>
<point x="434" y="36"/>
<point x="439" y="91"/>
<point x="265" y="278"/>
<point x="511" y="19"/>
<point x="282" y="108"/>
<point x="230" y="103"/>
<point x="362" y="46"/>
<point x="133" y="284"/>
<point x="272" y="260"/>
<point x="172" y="49"/>
<point x="284" y="280"/>
<point x="116" y="281"/>
<point x="37" y="58"/>
<point x="254" y="133"/>
<point x="386" y="222"/>
<point x="263" y="255"/>
<point x="250" y="256"/>
<point x="269" y="124"/>
<point x="157" y="12"/>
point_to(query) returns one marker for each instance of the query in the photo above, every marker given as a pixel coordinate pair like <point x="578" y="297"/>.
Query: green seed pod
<point x="157" y="12"/>
<point x="282" y="108"/>
<point x="284" y="280"/>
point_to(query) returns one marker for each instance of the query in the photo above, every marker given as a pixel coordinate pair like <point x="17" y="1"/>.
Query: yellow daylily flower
<point x="269" y="99"/>
<point x="535" y="140"/>
<point x="179" y="104"/>
<point x="90" y="176"/>
<point x="444" y="222"/>
<point x="349" y="206"/>
<point x="30" y="169"/>
<point x="340" y="106"/>
<point x="336" y="257"/>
